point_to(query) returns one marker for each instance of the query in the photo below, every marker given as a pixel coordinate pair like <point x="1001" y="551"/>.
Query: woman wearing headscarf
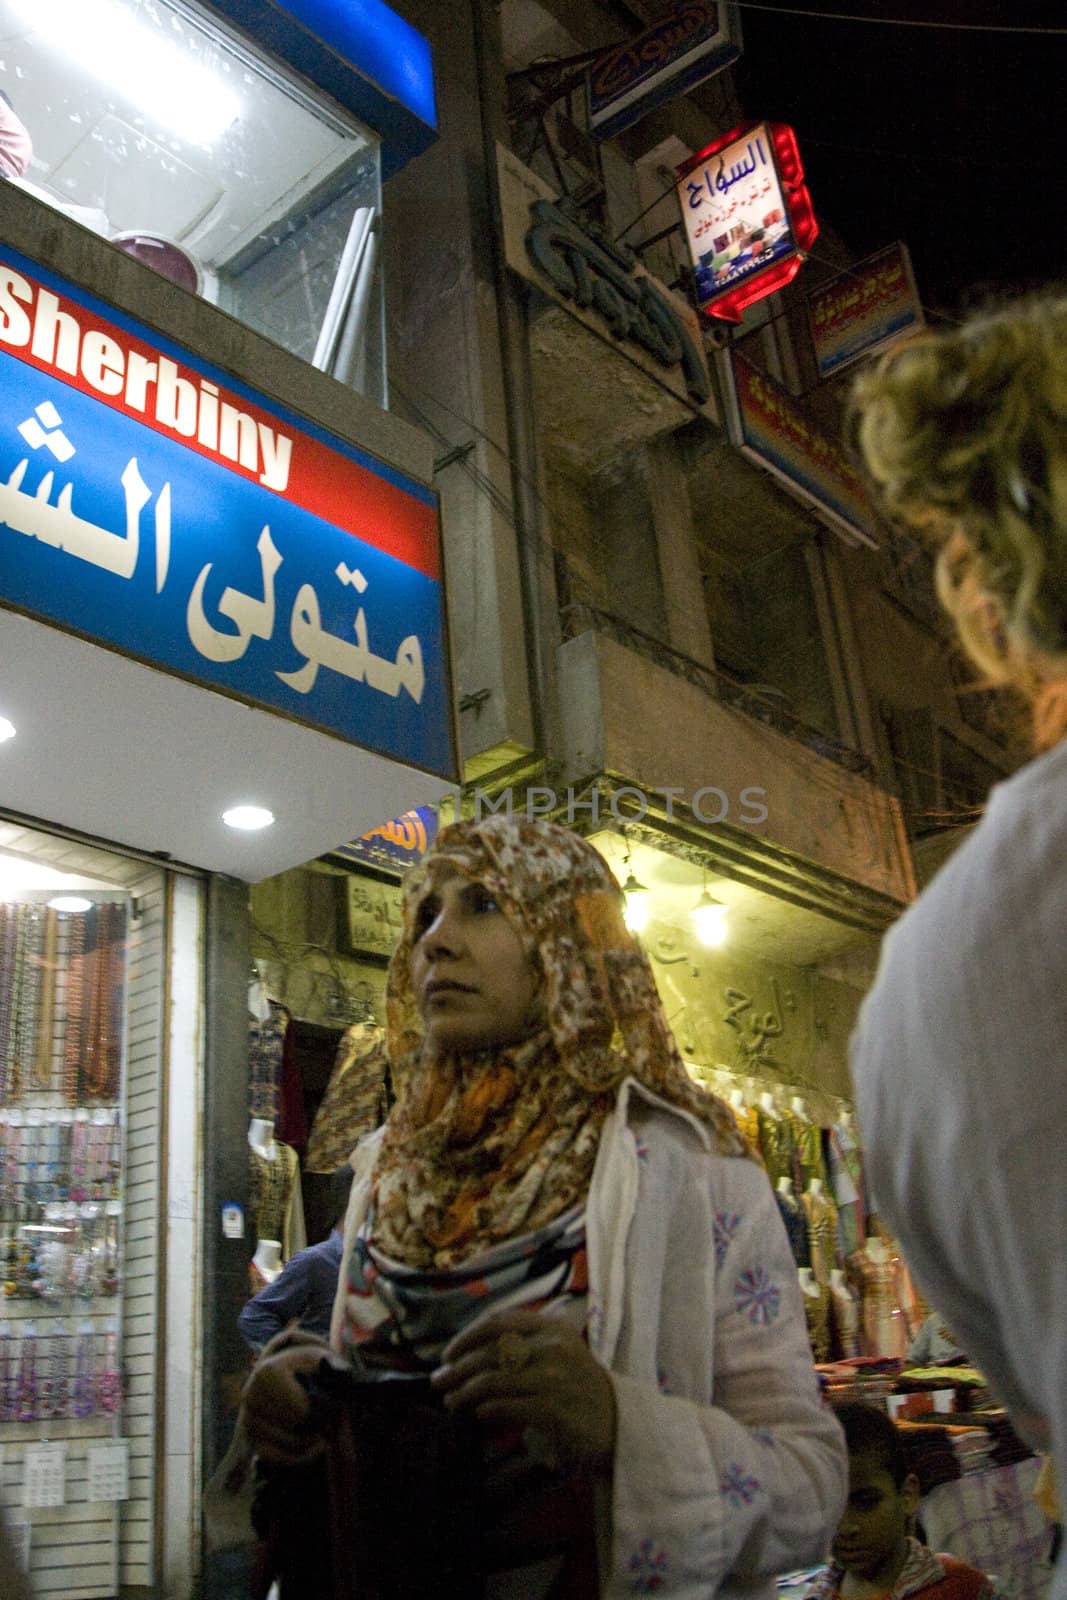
<point x="958" y="1054"/>
<point x="571" y="1237"/>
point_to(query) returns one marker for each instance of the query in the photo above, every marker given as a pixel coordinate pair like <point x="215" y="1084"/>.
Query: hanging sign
<point x="394" y="846"/>
<point x="865" y="307"/>
<point x="748" y="217"/>
<point x="773" y="430"/>
<point x="679" y="50"/>
<point x="154" y="504"/>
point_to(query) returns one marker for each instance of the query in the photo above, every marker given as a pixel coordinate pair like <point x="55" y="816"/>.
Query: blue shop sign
<point x="152" y="503"/>
<point x="394" y="846"/>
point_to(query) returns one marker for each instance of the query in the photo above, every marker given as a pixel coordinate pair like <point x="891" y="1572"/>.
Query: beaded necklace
<point x="81" y="1404"/>
<point x="108" y="1054"/>
<point x="42" y="1066"/>
<point x="55" y="1388"/>
<point x="75" y="996"/>
<point x="79" y="1146"/>
<point x="26" y="1403"/>
<point x="28" y="995"/>
<point x="16" y="1004"/>
<point x="109" y="1383"/>
<point x="9" y="1375"/>
<point x="7" y="968"/>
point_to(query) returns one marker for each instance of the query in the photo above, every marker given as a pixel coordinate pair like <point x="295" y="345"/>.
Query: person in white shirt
<point x="958" y="1056"/>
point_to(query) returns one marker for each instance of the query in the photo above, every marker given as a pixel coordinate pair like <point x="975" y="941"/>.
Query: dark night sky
<point x="954" y="140"/>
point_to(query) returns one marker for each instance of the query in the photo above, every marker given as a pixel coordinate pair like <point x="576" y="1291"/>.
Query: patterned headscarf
<point x="485" y="1146"/>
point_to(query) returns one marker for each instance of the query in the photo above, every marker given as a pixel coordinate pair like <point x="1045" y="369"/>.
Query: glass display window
<point x="161" y="129"/>
<point x="80" y="1059"/>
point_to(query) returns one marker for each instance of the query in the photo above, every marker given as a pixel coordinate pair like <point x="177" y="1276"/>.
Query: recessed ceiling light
<point x="7" y="729"/>
<point x="70" y="902"/>
<point x="248" y="818"/>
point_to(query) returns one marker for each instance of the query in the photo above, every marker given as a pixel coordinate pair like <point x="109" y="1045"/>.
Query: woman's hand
<point x="535" y="1372"/>
<point x="276" y="1407"/>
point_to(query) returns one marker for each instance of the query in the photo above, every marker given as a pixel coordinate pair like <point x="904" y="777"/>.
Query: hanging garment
<point x="266" y="1046"/>
<point x="817" y="1313"/>
<point x="807" y="1145"/>
<point x="845" y="1161"/>
<point x="796" y="1227"/>
<point x="883" y="1331"/>
<point x="292" y="1127"/>
<point x="354" y="1102"/>
<point x="844" y="1323"/>
<point x="821" y="1215"/>
<point x="277" y="1205"/>
<point x="748" y="1122"/>
<point x="776" y="1143"/>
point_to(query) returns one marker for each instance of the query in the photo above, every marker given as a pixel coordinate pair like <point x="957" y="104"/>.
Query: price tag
<point x="46" y="1475"/>
<point x="109" y="1471"/>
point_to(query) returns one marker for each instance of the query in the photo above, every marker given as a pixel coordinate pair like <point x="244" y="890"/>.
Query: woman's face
<point x="474" y="985"/>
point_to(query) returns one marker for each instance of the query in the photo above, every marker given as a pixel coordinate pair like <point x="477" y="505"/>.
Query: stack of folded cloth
<point x="973" y="1447"/>
<point x="869" y="1378"/>
<point x="1007" y="1447"/>
<point x="971" y="1389"/>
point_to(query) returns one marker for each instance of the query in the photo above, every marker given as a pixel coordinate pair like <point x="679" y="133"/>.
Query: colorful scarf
<point x="484" y="1147"/>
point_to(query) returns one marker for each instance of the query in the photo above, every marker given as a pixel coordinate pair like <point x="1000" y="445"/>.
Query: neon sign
<point x="748" y="217"/>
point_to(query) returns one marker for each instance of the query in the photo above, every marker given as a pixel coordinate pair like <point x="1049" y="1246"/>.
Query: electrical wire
<point x="901" y="22"/>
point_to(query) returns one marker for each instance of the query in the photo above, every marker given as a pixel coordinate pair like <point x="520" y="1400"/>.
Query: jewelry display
<point x="62" y="1154"/>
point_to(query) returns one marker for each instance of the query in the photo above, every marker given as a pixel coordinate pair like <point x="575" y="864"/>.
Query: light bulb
<point x="709" y="919"/>
<point x="107" y="41"/>
<point x="70" y="902"/>
<point x="638" y="904"/>
<point x="248" y="818"/>
<point x="7" y="729"/>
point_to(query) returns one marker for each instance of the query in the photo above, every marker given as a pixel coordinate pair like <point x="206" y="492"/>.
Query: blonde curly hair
<point x="965" y="436"/>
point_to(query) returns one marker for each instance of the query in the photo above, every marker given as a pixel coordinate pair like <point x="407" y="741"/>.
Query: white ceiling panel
<point x="117" y="750"/>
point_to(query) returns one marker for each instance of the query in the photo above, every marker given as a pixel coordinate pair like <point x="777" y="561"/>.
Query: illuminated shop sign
<point x="152" y="503"/>
<point x="680" y="50"/>
<point x="394" y="846"/>
<point x="748" y="217"/>
<point x="865" y="307"/>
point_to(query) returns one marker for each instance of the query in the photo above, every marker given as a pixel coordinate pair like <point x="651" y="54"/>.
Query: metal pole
<point x="340" y="294"/>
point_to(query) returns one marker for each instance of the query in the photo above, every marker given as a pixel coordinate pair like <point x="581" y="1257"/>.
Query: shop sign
<point x="366" y="56"/>
<point x="748" y="217"/>
<point x="152" y="503"/>
<point x="691" y="43"/>
<point x="602" y="283"/>
<point x="772" y="430"/>
<point x="394" y="846"/>
<point x="866" y="306"/>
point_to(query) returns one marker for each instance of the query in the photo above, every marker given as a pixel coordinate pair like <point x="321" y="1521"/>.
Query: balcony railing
<point x="579" y="616"/>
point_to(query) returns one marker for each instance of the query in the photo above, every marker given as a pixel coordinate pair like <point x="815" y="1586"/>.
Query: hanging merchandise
<point x="883" y="1330"/>
<point x="355" y="1100"/>
<point x="844" y="1319"/>
<point x="796" y="1222"/>
<point x="807" y="1147"/>
<point x="776" y="1139"/>
<point x="276" y="1202"/>
<point x="845" y="1160"/>
<point x="266" y="1046"/>
<point x="822" y="1231"/>
<point x="62" y="1043"/>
